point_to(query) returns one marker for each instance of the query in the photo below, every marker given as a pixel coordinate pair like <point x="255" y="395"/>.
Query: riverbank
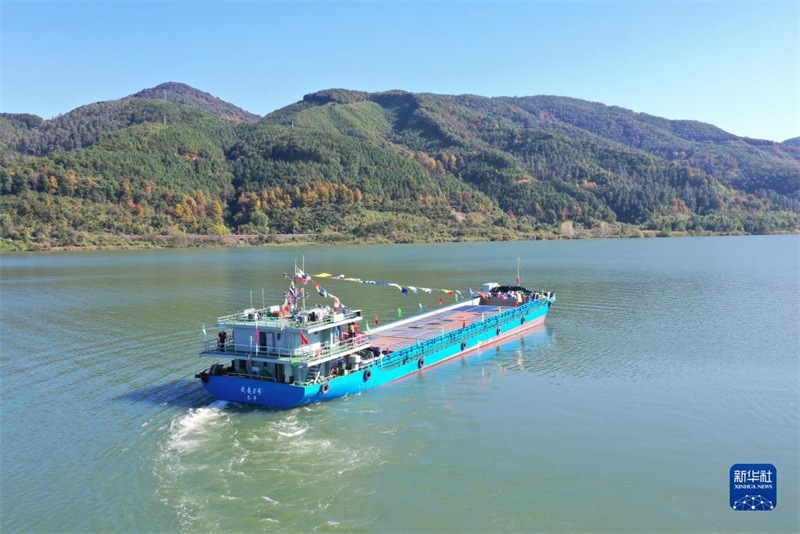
<point x="87" y="241"/>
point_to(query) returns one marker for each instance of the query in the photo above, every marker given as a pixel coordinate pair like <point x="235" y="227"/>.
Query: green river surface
<point x="663" y="363"/>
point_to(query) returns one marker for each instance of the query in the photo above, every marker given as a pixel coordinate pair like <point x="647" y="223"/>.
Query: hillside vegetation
<point x="394" y="166"/>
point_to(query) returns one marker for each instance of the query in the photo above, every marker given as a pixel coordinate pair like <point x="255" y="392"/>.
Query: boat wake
<point x="271" y="467"/>
<point x="190" y="431"/>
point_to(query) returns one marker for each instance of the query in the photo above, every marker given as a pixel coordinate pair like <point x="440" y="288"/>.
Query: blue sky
<point x="733" y="64"/>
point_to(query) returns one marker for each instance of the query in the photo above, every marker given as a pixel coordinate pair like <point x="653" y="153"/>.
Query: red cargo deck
<point x="410" y="331"/>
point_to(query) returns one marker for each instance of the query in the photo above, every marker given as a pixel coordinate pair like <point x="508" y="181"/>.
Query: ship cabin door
<point x="262" y="341"/>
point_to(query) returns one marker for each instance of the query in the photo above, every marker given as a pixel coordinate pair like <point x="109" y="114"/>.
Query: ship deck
<point x="397" y="336"/>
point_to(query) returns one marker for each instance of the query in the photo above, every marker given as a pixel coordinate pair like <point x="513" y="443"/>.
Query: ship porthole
<point x="499" y="331"/>
<point x="367" y="374"/>
<point x="463" y="345"/>
<point x="421" y="363"/>
<point x="325" y="388"/>
<point x="522" y="321"/>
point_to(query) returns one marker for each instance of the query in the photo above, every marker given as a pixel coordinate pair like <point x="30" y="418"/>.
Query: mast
<point x="517" y="270"/>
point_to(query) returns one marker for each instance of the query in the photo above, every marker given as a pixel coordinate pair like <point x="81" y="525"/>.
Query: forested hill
<point x="398" y="166"/>
<point x="170" y="103"/>
<point x="794" y="141"/>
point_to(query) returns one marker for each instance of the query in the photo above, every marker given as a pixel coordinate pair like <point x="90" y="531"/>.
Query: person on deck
<point x="222" y="337"/>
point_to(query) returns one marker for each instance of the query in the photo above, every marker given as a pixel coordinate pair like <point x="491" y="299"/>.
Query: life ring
<point x="324" y="388"/>
<point x="499" y="331"/>
<point x="421" y="363"/>
<point x="318" y="353"/>
<point x="367" y="374"/>
<point x="463" y="345"/>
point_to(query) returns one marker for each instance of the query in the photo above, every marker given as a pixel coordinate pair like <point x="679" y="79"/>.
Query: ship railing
<point x="328" y="319"/>
<point x="262" y="315"/>
<point x="305" y="353"/>
<point x="318" y="378"/>
<point x="422" y="348"/>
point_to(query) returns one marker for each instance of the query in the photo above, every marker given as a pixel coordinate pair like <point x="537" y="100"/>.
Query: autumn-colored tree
<point x="216" y="211"/>
<point x="200" y="203"/>
<point x="69" y="183"/>
<point x="127" y="194"/>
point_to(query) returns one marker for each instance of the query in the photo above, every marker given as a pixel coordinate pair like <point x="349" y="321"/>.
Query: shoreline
<point x="130" y="242"/>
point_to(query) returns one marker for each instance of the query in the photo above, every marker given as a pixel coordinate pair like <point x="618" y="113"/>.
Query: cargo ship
<point x="286" y="356"/>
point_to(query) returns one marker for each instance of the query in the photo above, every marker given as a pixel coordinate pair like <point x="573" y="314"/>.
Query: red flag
<point x="303" y="338"/>
<point x="518" y="280"/>
<point x="441" y="301"/>
<point x="376" y="320"/>
<point x="463" y="324"/>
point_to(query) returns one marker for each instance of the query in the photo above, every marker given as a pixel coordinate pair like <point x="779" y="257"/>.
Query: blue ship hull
<point x="399" y="364"/>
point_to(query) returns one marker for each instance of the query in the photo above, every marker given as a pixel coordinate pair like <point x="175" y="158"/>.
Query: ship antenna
<point x="263" y="304"/>
<point x="304" y="286"/>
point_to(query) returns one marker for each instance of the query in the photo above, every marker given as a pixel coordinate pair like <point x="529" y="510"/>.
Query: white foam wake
<point x="187" y="432"/>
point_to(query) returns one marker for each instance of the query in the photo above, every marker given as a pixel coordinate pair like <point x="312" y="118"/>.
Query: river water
<point x="663" y="363"/>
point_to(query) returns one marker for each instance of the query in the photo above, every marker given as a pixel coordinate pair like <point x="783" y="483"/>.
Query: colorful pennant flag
<point x="405" y="290"/>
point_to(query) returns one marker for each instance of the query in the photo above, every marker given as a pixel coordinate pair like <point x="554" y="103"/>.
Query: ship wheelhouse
<point x="276" y="345"/>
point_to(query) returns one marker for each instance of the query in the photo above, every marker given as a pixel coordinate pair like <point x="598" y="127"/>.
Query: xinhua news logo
<point x="754" y="487"/>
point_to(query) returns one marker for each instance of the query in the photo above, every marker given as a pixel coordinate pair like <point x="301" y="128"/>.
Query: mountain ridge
<point x="391" y="165"/>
